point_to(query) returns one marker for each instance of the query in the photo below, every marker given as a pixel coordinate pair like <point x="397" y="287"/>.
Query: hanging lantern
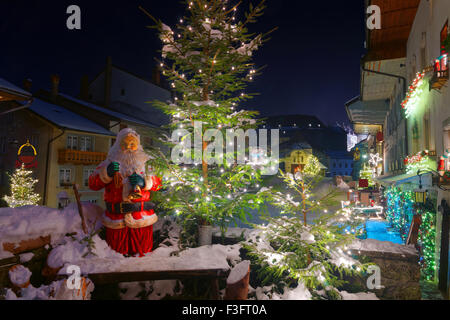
<point x="420" y="195"/>
<point x="26" y="156"/>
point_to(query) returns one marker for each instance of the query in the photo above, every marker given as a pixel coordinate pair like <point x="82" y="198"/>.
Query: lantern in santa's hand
<point x="26" y="156"/>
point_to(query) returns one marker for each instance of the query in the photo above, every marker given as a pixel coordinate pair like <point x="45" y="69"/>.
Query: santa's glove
<point x="137" y="180"/>
<point x="112" y="169"/>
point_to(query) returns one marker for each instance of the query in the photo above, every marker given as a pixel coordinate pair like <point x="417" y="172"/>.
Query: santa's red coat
<point x="126" y="240"/>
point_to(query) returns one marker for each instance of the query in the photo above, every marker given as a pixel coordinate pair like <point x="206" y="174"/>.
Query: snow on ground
<point x="19" y="275"/>
<point x="5" y="254"/>
<point x="269" y="293"/>
<point x="103" y="259"/>
<point x="26" y="257"/>
<point x="31" y="222"/>
<point x="57" y="290"/>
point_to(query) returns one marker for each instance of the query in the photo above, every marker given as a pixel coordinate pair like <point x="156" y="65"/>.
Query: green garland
<point x="399" y="213"/>
<point x="427" y="239"/>
<point x="400" y="210"/>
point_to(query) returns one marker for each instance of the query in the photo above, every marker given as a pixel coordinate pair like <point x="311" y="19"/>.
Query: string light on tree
<point x="22" y="189"/>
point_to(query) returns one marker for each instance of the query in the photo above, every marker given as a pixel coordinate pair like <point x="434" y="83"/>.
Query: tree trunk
<point x="238" y="282"/>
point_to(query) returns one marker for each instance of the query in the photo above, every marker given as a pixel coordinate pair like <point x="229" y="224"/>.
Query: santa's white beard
<point x="130" y="162"/>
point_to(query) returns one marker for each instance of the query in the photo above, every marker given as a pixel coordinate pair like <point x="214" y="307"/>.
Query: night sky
<point x="312" y="60"/>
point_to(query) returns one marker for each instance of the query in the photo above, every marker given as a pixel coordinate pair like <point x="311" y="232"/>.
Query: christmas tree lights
<point x="367" y="174"/>
<point x="400" y="211"/>
<point x="22" y="189"/>
<point x="312" y="166"/>
<point x="427" y="240"/>
<point x="413" y="96"/>
<point x="207" y="59"/>
<point x="420" y="161"/>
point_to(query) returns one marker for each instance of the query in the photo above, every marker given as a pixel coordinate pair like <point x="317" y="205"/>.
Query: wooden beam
<point x="120" y="277"/>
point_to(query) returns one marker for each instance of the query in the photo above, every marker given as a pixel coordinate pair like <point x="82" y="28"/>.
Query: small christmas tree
<point x="312" y="167"/>
<point x="22" y="189"/>
<point x="314" y="251"/>
<point x="367" y="174"/>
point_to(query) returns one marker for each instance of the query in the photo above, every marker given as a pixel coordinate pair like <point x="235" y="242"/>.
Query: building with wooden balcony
<point x="69" y="147"/>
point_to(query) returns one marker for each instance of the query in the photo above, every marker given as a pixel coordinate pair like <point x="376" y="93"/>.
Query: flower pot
<point x="205" y="235"/>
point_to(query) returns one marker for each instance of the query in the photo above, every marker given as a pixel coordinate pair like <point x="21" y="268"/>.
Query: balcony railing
<point x="440" y="74"/>
<point x="68" y="156"/>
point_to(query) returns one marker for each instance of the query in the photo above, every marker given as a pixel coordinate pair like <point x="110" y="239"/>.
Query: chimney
<point x="157" y="76"/>
<point x="55" y="86"/>
<point x="27" y="84"/>
<point x="108" y="81"/>
<point x="84" y="88"/>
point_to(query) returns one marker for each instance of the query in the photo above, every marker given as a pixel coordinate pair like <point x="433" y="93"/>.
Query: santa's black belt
<point x="125" y="207"/>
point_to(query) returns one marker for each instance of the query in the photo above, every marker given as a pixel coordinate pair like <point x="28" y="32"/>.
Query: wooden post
<point x="238" y="282"/>
<point x="80" y="208"/>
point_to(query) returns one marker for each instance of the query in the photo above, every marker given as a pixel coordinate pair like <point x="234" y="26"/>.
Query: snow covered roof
<point x="9" y="88"/>
<point x="64" y="118"/>
<point x="118" y="115"/>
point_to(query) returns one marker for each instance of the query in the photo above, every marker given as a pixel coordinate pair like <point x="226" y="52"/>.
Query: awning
<point x="368" y="112"/>
<point x="406" y="179"/>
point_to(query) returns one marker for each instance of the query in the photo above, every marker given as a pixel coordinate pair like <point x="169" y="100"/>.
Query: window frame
<point x="87" y="172"/>
<point x="71" y="176"/>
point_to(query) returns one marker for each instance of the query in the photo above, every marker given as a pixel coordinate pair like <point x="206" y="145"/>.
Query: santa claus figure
<point x="129" y="216"/>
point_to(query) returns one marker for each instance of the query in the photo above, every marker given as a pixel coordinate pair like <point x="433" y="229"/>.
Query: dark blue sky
<point x="313" y="59"/>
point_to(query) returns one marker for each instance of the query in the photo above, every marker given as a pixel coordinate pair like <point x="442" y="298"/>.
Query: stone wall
<point x="399" y="266"/>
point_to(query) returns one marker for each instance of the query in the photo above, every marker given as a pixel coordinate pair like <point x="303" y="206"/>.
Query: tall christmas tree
<point x="207" y="60"/>
<point x="22" y="189"/>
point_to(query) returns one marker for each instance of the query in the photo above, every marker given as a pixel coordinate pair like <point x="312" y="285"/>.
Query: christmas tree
<point x="312" y="166"/>
<point x="311" y="251"/>
<point x="367" y="173"/>
<point x="22" y="189"/>
<point x="207" y="60"/>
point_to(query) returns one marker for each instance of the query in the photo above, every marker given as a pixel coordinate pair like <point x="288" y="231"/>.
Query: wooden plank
<point x="9" y="262"/>
<point x="120" y="277"/>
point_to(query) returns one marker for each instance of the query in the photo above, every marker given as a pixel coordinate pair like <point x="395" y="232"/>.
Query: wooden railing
<point x="80" y="157"/>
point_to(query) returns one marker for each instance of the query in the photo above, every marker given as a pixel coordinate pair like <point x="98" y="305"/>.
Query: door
<point x="444" y="259"/>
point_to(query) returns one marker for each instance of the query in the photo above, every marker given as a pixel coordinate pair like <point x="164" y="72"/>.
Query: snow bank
<point x="55" y="291"/>
<point x="19" y="275"/>
<point x="5" y="254"/>
<point x="105" y="260"/>
<point x="26" y="257"/>
<point x="31" y="222"/>
<point x="268" y="293"/>
<point x="299" y="293"/>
